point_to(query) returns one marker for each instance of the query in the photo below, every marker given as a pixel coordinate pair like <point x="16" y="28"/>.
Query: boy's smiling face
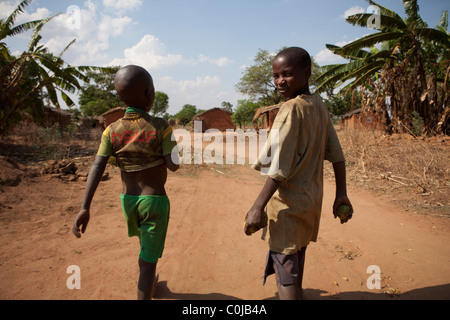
<point x="290" y="79"/>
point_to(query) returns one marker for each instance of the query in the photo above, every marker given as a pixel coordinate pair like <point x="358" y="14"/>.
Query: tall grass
<point x="414" y="171"/>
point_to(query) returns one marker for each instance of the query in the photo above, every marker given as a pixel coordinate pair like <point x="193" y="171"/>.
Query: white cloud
<point x="93" y="47"/>
<point x="353" y="10"/>
<point x="93" y="34"/>
<point x="149" y="53"/>
<point x="122" y="4"/>
<point x="202" y="92"/>
<point x="221" y="62"/>
<point x="110" y="26"/>
<point x="189" y="86"/>
<point x="325" y="56"/>
<point x="7" y="7"/>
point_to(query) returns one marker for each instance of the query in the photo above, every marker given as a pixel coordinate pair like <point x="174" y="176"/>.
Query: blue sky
<point x="197" y="50"/>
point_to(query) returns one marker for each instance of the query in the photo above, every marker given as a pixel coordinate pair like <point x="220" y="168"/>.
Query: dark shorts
<point x="285" y="266"/>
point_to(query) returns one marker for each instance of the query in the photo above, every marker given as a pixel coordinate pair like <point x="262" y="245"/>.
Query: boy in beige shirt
<point x="293" y="192"/>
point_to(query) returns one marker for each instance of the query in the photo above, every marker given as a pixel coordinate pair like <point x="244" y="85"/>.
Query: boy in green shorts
<point x="142" y="147"/>
<point x="293" y="193"/>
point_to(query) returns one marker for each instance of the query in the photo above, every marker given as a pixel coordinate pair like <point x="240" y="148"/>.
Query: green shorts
<point x="147" y="218"/>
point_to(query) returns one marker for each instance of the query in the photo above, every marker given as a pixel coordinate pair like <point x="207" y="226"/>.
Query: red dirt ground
<point x="207" y="255"/>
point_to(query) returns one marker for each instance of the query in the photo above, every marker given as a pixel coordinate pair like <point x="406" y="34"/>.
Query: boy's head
<point x="134" y="85"/>
<point x="291" y="72"/>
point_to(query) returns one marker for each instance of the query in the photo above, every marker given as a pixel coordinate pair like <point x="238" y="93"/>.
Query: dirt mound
<point x="11" y="173"/>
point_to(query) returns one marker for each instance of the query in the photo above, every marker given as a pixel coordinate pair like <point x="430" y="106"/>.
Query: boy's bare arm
<point x="341" y="188"/>
<point x="94" y="177"/>
<point x="171" y="165"/>
<point x="254" y="217"/>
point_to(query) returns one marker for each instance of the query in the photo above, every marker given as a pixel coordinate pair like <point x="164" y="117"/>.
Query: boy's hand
<point x="82" y="220"/>
<point x="341" y="201"/>
<point x="254" y="220"/>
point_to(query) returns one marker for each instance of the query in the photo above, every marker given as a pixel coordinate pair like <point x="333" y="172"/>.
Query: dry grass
<point x="29" y="144"/>
<point x="416" y="172"/>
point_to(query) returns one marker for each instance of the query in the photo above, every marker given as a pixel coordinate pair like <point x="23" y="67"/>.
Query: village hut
<point x="267" y="114"/>
<point x="90" y="122"/>
<point x="58" y="116"/>
<point x="215" y="118"/>
<point x="357" y="119"/>
<point x="113" y="115"/>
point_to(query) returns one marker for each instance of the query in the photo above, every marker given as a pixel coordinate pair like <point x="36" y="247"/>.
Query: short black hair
<point x="131" y="83"/>
<point x="296" y="55"/>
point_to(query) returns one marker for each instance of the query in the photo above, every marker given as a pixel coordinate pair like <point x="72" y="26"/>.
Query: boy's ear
<point x="150" y="94"/>
<point x="308" y="71"/>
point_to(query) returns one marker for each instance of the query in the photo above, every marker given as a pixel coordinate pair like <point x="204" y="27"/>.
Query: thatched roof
<point x="213" y="109"/>
<point x="351" y="113"/>
<point x="259" y="112"/>
<point x="114" y="110"/>
<point x="58" y="111"/>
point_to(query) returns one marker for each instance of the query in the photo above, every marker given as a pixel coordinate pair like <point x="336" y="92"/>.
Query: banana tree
<point x="27" y="78"/>
<point x="363" y="65"/>
<point x="411" y="64"/>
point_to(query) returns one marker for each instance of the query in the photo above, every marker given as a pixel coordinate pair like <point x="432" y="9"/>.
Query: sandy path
<point x="207" y="255"/>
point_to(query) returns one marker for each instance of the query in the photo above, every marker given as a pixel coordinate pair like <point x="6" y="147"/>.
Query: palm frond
<point x="434" y="35"/>
<point x="69" y="102"/>
<point x="390" y="23"/>
<point x="19" y="9"/>
<point x="36" y="37"/>
<point x="357" y="73"/>
<point x="443" y="23"/>
<point x="369" y="41"/>
<point x="11" y="32"/>
<point x="357" y="54"/>
<point x="385" y="11"/>
<point x="412" y="12"/>
<point x="67" y="48"/>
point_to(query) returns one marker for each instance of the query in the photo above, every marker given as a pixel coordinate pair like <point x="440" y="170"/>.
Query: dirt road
<point x="207" y="255"/>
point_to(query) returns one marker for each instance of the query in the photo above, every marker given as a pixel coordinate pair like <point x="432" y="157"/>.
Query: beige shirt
<point x="306" y="138"/>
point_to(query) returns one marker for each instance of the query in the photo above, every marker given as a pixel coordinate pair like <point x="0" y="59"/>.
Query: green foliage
<point x="257" y="80"/>
<point x="417" y="124"/>
<point x="244" y="113"/>
<point x="98" y="95"/>
<point x="409" y="68"/>
<point x="161" y="104"/>
<point x="186" y="114"/>
<point x="227" y="106"/>
<point x="34" y="75"/>
<point x="338" y="104"/>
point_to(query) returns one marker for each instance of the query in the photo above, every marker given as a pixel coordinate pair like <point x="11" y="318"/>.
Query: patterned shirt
<point x="138" y="141"/>
<point x="306" y="138"/>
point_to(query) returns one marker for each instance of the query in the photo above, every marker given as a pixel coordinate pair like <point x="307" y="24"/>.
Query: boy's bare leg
<point x="293" y="292"/>
<point x="288" y="292"/>
<point x="146" y="279"/>
<point x="301" y="267"/>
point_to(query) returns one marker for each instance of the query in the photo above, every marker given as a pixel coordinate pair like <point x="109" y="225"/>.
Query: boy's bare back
<point x="135" y="88"/>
